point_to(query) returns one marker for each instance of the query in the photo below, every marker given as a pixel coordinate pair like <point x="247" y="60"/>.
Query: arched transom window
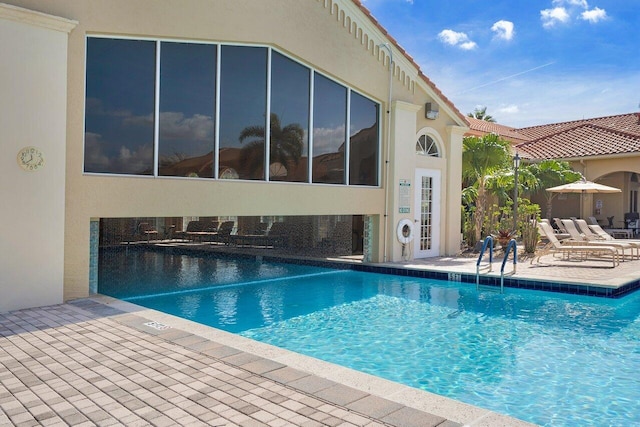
<point x="426" y="146"/>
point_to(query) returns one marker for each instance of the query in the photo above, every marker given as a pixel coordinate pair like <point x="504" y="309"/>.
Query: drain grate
<point x="157" y="325"/>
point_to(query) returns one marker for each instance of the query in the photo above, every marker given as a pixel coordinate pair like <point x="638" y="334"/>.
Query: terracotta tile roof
<point x="629" y="123"/>
<point x="599" y="136"/>
<point x="506" y="132"/>
<point x="404" y="53"/>
<point x="585" y="139"/>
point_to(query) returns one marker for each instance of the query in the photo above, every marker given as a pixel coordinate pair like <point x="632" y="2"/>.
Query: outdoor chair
<point x="567" y="249"/>
<point x="606" y="235"/>
<point x="571" y="228"/>
<point x="145" y="230"/>
<point x="560" y="225"/>
<point x="592" y="236"/>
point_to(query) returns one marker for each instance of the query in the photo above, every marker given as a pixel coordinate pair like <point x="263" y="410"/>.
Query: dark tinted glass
<point x="289" y="120"/>
<point x="187" y="109"/>
<point x="243" y="101"/>
<point x="329" y="131"/>
<point x="364" y="146"/>
<point x="119" y="111"/>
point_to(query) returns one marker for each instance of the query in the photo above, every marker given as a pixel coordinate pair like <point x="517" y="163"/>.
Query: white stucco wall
<point x="32" y="113"/>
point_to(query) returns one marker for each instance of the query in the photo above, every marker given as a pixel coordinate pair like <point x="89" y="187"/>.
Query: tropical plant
<point x="528" y="217"/>
<point x="551" y="173"/>
<point x="480" y="113"/>
<point x="286" y="144"/>
<point x="481" y="157"/>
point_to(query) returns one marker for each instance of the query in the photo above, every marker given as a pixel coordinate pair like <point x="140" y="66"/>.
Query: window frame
<point x="270" y="50"/>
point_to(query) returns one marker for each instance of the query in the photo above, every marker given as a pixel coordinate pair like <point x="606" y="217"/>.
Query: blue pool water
<point x="551" y="359"/>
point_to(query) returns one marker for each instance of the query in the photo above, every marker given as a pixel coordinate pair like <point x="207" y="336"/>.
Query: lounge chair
<point x="560" y="225"/>
<point x="606" y="236"/>
<point x="571" y="248"/>
<point x="576" y="236"/>
<point x="592" y="236"/>
<point x="145" y="230"/>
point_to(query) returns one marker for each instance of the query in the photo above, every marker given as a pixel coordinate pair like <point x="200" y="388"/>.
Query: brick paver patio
<point x="85" y="363"/>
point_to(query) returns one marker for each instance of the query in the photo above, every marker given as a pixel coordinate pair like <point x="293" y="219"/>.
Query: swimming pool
<point x="551" y="359"/>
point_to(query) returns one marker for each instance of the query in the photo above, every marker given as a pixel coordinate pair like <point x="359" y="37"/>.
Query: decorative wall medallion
<point x="30" y="159"/>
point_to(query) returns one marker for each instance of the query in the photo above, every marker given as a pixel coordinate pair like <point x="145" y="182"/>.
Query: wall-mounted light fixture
<point x="431" y="111"/>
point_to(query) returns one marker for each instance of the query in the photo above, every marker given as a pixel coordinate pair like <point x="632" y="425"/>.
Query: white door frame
<point x="427" y="224"/>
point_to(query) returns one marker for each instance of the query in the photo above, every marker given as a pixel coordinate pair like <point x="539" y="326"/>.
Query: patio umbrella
<point x="583" y="187"/>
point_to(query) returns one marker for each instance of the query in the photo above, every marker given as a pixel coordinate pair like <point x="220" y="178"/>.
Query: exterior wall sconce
<point x="431" y="111"/>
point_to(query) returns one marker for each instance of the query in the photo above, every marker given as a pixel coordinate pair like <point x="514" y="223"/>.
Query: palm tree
<point x="481" y="114"/>
<point x="286" y="144"/>
<point x="481" y="157"/>
<point x="551" y="173"/>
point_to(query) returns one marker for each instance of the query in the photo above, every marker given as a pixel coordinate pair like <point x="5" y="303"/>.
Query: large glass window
<point x="126" y="127"/>
<point x="243" y="109"/>
<point x="329" y="131"/>
<point x="289" y="141"/>
<point x="363" y="129"/>
<point x="187" y="109"/>
<point x="120" y="105"/>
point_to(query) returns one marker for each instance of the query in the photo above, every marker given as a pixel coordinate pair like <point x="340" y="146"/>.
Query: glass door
<point x="427" y="232"/>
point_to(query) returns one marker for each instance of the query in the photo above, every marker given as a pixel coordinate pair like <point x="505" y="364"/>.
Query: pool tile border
<point x="426" y="273"/>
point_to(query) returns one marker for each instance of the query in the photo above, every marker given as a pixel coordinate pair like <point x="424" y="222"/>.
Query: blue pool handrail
<point x="488" y="241"/>
<point x="512" y="245"/>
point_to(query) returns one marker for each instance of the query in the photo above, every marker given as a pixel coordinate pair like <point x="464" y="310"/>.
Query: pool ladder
<point x="511" y="247"/>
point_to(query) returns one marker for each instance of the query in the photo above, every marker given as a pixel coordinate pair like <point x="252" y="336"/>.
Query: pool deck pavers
<point x="104" y="362"/>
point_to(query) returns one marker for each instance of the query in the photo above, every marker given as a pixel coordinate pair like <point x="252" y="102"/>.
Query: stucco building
<point x="603" y="149"/>
<point x="117" y="113"/>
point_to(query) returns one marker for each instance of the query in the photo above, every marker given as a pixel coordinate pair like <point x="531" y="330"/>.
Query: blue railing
<point x="511" y="246"/>
<point x="487" y="242"/>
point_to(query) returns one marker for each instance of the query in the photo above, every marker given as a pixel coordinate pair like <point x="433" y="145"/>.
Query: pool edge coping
<point x="430" y="403"/>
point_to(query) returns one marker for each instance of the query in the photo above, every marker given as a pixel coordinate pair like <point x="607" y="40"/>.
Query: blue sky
<point x="529" y="62"/>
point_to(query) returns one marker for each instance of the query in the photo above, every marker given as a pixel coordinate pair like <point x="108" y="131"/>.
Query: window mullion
<point x="156" y="112"/>
<point x="267" y="127"/>
<point x="310" y="148"/>
<point x="216" y="130"/>
<point x="347" y="144"/>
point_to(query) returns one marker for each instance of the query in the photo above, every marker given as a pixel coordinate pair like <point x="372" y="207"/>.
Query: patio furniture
<point x="594" y="237"/>
<point x="145" y="230"/>
<point x="570" y="248"/>
<point x="571" y="228"/>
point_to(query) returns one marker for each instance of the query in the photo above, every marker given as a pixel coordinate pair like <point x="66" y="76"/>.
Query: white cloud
<point x="503" y="29"/>
<point x="174" y="125"/>
<point x="325" y="140"/>
<point x="454" y="38"/>
<point x="581" y="3"/>
<point x="550" y="17"/>
<point x="509" y="109"/>
<point x="594" y="15"/>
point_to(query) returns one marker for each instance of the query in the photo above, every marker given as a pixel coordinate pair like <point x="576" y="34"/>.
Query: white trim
<point x="347" y="137"/>
<point x="37" y="19"/>
<point x="156" y="113"/>
<point x="267" y="126"/>
<point x="431" y="132"/>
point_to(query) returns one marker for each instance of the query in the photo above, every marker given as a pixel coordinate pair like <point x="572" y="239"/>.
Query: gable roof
<point x="629" y="123"/>
<point x="583" y="140"/>
<point x="481" y="127"/>
<point x="599" y="136"/>
<point x="409" y="58"/>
